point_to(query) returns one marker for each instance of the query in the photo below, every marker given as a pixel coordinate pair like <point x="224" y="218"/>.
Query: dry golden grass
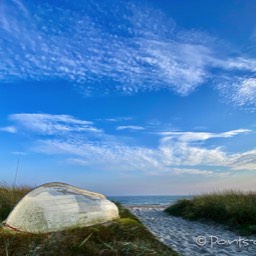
<point x="9" y="196"/>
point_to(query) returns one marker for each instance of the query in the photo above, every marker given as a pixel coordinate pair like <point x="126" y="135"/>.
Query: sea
<point x="160" y="201"/>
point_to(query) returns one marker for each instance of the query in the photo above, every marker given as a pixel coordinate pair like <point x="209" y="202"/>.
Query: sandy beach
<point x="193" y="238"/>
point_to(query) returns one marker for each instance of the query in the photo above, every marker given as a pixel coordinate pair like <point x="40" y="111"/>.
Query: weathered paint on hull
<point x="58" y="206"/>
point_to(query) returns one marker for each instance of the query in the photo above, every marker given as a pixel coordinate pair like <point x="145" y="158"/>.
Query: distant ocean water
<point x="148" y="200"/>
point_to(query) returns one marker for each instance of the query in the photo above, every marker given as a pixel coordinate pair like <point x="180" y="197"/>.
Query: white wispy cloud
<point x="233" y="64"/>
<point x="243" y="161"/>
<point x="10" y="129"/>
<point x="186" y="154"/>
<point x="116" y="119"/>
<point x="47" y="41"/>
<point x="107" y="156"/>
<point x="241" y="63"/>
<point x="115" y="155"/>
<point x="82" y="142"/>
<point x="179" y="150"/>
<point x="146" y="60"/>
<point x="180" y="171"/>
<point x="199" y="136"/>
<point x="167" y="159"/>
<point x="130" y="127"/>
<point x="52" y="124"/>
<point x="240" y="91"/>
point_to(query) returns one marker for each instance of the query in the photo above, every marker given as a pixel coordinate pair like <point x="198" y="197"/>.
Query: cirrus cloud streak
<point x="138" y="49"/>
<point x="84" y="143"/>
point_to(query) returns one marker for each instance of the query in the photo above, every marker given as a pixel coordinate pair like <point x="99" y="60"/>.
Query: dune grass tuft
<point x="9" y="196"/>
<point x="125" y="236"/>
<point x="235" y="209"/>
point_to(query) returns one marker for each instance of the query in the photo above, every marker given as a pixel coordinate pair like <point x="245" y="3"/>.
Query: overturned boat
<point x="57" y="206"/>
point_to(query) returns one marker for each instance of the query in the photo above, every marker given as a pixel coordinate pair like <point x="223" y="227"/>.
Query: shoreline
<point x="149" y="206"/>
<point x="192" y="237"/>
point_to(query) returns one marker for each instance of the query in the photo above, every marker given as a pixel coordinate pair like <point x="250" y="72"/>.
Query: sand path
<point x="185" y="236"/>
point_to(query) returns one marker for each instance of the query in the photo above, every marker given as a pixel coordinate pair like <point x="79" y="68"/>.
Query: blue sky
<point x="129" y="97"/>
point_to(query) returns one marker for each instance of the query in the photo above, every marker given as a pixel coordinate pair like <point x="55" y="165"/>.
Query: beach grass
<point x="235" y="209"/>
<point x="125" y="236"/>
<point x="9" y="196"/>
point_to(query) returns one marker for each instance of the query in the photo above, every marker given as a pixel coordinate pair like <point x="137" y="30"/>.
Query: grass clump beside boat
<point x="9" y="197"/>
<point x="125" y="236"/>
<point x="235" y="209"/>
